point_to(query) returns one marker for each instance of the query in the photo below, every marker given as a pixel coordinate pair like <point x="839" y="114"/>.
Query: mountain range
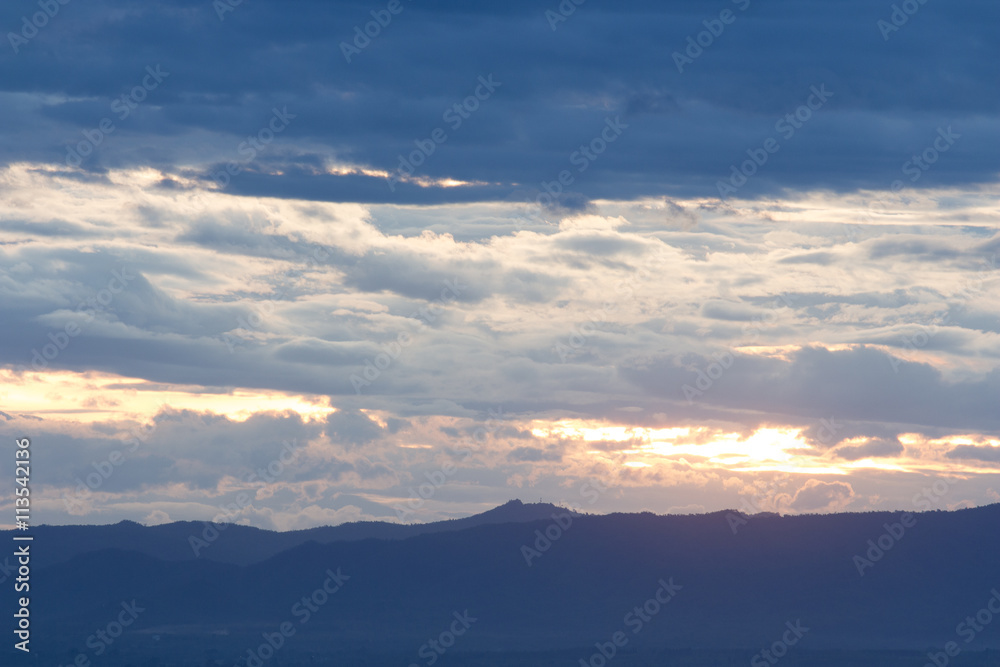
<point x="535" y="578"/>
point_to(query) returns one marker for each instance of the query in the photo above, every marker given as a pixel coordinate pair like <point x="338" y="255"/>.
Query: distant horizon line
<point x="521" y="503"/>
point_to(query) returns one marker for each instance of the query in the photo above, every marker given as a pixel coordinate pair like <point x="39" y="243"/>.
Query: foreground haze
<point x="517" y="589"/>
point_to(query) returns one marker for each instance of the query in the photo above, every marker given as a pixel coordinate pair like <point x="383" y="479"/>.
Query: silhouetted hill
<point x="243" y="545"/>
<point x="738" y="590"/>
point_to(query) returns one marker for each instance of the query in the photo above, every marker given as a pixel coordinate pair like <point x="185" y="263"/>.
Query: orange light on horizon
<point x="768" y="449"/>
<point x="92" y="396"/>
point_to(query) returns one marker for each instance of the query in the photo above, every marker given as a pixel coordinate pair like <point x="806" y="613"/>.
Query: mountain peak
<point x="516" y="510"/>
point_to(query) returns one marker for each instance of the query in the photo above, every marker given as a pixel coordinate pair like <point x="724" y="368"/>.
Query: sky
<point x="408" y="260"/>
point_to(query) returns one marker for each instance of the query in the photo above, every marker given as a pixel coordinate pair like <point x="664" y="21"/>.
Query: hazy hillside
<point x="243" y="545"/>
<point x="736" y="590"/>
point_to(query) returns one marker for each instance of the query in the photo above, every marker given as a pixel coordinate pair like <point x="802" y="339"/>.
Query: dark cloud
<point x="976" y="452"/>
<point x="821" y="258"/>
<point x="181" y="447"/>
<point x="729" y="311"/>
<point x="873" y="448"/>
<point x="857" y="385"/>
<point x="559" y="310"/>
<point x="927" y="249"/>
<point x="352" y="427"/>
<point x="557" y="88"/>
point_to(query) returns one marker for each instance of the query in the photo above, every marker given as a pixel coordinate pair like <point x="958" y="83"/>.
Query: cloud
<point x="352" y="428"/>
<point x="156" y="517"/>
<point x="815" y="495"/>
<point x="352" y="120"/>
<point x="860" y="384"/>
<point x="988" y="453"/>
<point x="822" y="258"/>
<point x="534" y="454"/>
<point x="821" y="305"/>
<point x="874" y="447"/>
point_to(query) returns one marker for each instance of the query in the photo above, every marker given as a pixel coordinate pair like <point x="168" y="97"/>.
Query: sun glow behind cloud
<point x="209" y="261"/>
<point x="767" y="449"/>
<point x="92" y="396"/>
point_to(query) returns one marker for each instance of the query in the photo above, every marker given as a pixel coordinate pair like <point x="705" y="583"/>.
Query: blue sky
<point x="696" y="254"/>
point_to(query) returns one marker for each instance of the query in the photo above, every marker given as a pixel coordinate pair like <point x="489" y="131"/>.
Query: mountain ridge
<point x="243" y="545"/>
<point x="560" y="583"/>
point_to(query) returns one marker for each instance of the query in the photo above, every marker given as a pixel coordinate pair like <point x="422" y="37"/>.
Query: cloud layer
<point x="676" y="255"/>
<point x="348" y="118"/>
